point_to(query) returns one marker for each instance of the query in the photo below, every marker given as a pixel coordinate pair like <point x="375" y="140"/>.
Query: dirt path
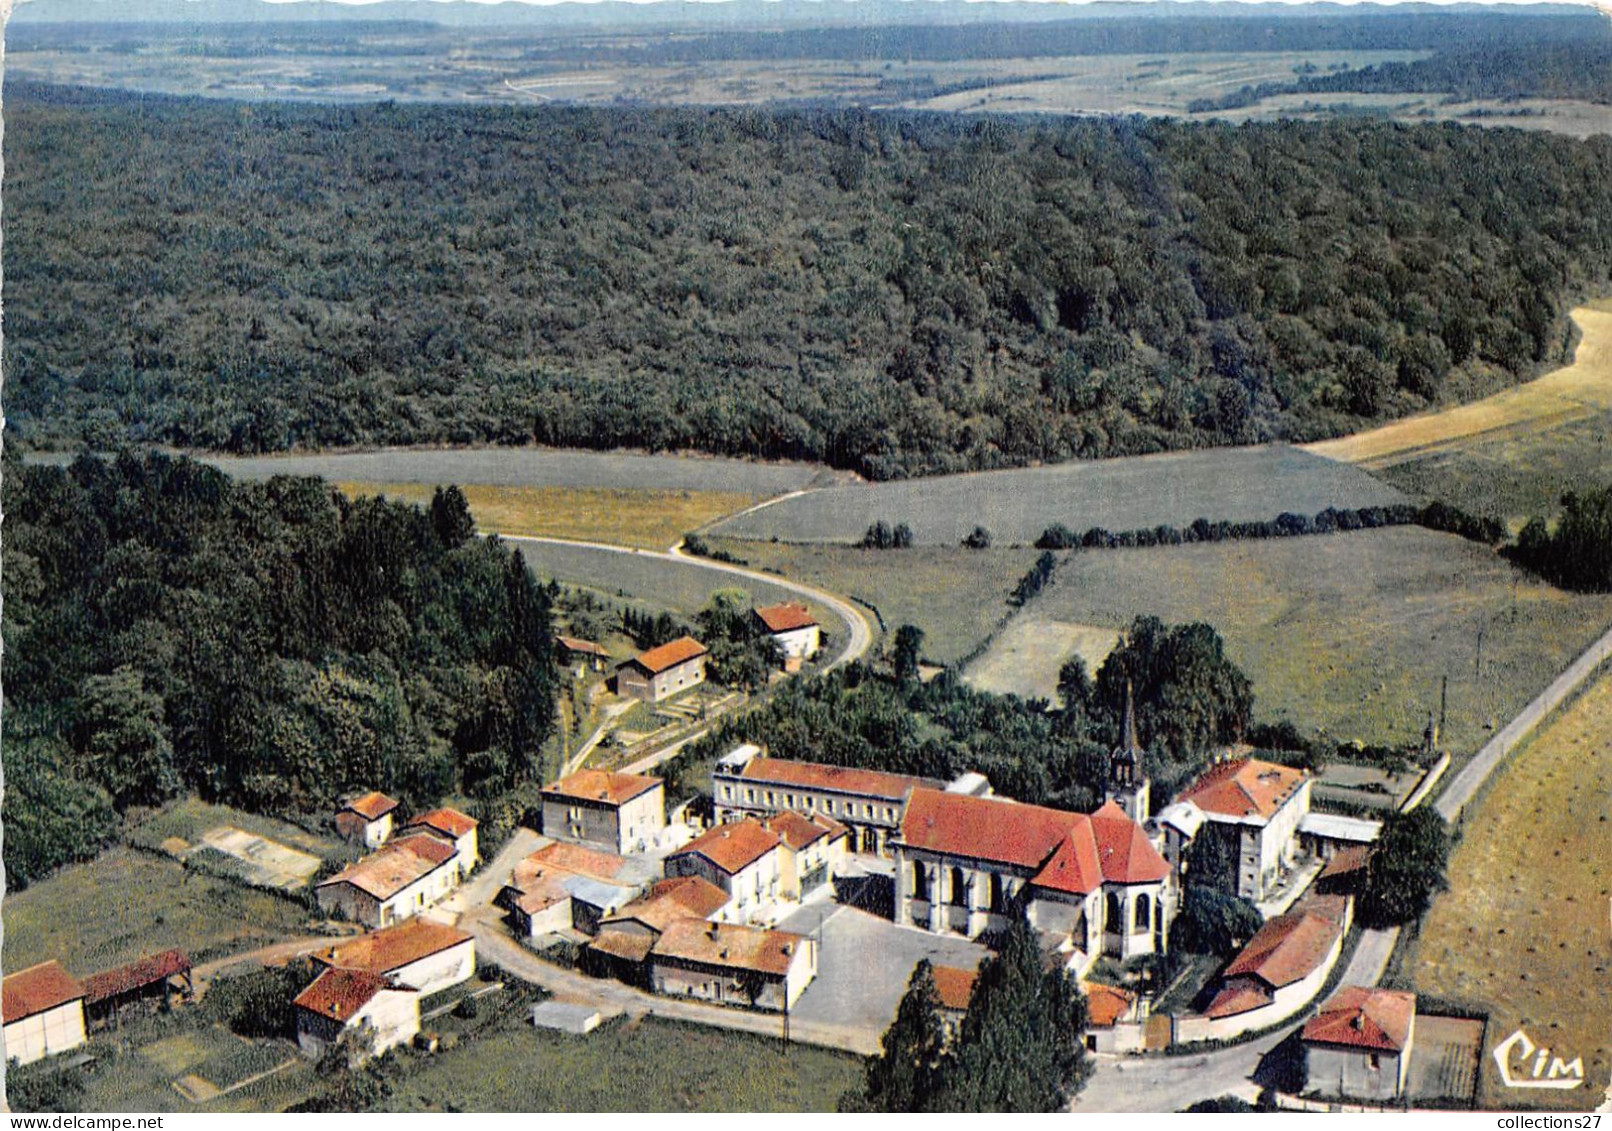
<point x="1570" y="393"/>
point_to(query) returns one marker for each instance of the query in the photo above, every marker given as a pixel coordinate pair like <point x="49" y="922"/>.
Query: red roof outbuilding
<point x="36" y="990"/>
<point x="1365" y="1017"/>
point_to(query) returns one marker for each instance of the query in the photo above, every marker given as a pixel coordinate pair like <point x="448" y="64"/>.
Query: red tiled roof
<point x="1245" y="787"/>
<point x="1286" y="949"/>
<point x="339" y="993"/>
<point x="628" y="945"/>
<point x="372" y="806"/>
<point x="575" y="858"/>
<point x="36" y="990"/>
<point x="681" y="897"/>
<point x="381" y="952"/>
<point x="1333" y="907"/>
<point x="799" y="830"/>
<point x="395" y="866"/>
<point x="1107" y="1004"/>
<point x="142" y="972"/>
<point x="1058" y="844"/>
<point x="1073" y="866"/>
<point x="445" y="820"/>
<point x="733" y="847"/>
<point x="1365" y="1017"/>
<point x="729" y="945"/>
<point x="785" y="618"/>
<point x="576" y="644"/>
<point x="1239" y="998"/>
<point x="955" y="986"/>
<point x="842" y="779"/>
<point x="602" y="785"/>
<point x="679" y="651"/>
<point x="1346" y="860"/>
<point x="1127" y="856"/>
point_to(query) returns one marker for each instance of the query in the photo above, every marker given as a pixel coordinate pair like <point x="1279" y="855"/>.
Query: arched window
<point x="1144" y="913"/>
<point x="920" y="881"/>
<point x="1113" y="915"/>
<point x="959" y="888"/>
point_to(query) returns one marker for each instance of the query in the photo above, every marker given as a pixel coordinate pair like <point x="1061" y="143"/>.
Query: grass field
<point x="1523" y="929"/>
<point x="1025" y="657"/>
<point x="651" y="1065"/>
<point x="1119" y="494"/>
<point x="190" y="817"/>
<point x="650" y="519"/>
<point x="126" y="903"/>
<point x="1350" y="633"/>
<point x="956" y="596"/>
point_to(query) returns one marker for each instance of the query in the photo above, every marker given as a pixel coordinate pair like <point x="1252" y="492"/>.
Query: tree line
<point x="895" y="293"/>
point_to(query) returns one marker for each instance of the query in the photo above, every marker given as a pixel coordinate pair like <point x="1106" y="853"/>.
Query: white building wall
<point x="1351" y="1074"/>
<point x="46" y="1034"/>
<point x="439" y="971"/>
<point x="800" y="643"/>
<point x="641" y="820"/>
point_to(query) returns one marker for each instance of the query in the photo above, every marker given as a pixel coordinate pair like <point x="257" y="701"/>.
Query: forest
<point x="898" y="294"/>
<point x="269" y="645"/>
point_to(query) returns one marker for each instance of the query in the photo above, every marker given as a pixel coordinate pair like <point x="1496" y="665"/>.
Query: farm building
<point x="562" y="887"/>
<point x="145" y="979"/>
<point x="869" y="803"/>
<point x="341" y="1001"/>
<point x="1345" y="872"/>
<point x="43" y="1011"/>
<point x="664" y="671"/>
<point x="580" y="656"/>
<point x="614" y="812"/>
<point x="747" y="860"/>
<point x="1284" y="965"/>
<point x="367" y="820"/>
<point x="419" y="954"/>
<point x="731" y="964"/>
<point x="1255" y="808"/>
<point x="401" y="879"/>
<point x="794" y="630"/>
<point x="626" y="937"/>
<point x="1358" y="1046"/>
<point x="1112" y="1019"/>
<point x="459" y="829"/>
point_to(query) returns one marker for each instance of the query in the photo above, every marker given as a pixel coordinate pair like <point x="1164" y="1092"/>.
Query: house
<point x="1255" y="809"/>
<point x="954" y="987"/>
<point x="418" y="953"/>
<point x="458" y="829"/>
<point x="732" y="964"/>
<point x="796" y="632"/>
<point x="1283" y="965"/>
<point x="752" y="864"/>
<point x="580" y="656"/>
<point x="366" y="820"/>
<point x="819" y="846"/>
<point x="869" y="803"/>
<point x="663" y="671"/>
<point x="626" y="937"/>
<point x="108" y="992"/>
<point x="1113" y="1019"/>
<point x="614" y="812"/>
<point x="1358" y="1046"/>
<point x="341" y="1001"/>
<point x="401" y="879"/>
<point x="964" y="862"/>
<point x="43" y="1012"/>
<point x="563" y="887"/>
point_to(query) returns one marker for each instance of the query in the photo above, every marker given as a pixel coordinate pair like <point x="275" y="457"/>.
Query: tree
<point x="121" y="732"/>
<point x="1406" y="868"/>
<point x="451" y="518"/>
<point x="978" y="539"/>
<point x="901" y="537"/>
<point x="905" y="1076"/>
<point x="1212" y="921"/>
<point x="1211" y="860"/>
<point x="909" y="642"/>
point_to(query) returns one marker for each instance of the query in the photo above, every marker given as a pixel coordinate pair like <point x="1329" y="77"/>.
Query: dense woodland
<point x="269" y="645"/>
<point x="897" y="294"/>
<point x="1577" y="552"/>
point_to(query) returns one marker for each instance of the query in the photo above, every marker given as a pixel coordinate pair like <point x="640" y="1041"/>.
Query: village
<point x="808" y="893"/>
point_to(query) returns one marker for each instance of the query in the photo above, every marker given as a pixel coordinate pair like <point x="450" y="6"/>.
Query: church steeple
<point x="1125" y="783"/>
<point x="1127" y="740"/>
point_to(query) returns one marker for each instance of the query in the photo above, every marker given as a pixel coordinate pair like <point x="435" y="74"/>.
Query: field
<point x="1350" y="634"/>
<point x="126" y="903"/>
<point x="1522" y="930"/>
<point x="958" y="597"/>
<point x="650" y="520"/>
<point x="190" y="818"/>
<point x="650" y="1065"/>
<point x="1024" y="658"/>
<point x="1234" y="484"/>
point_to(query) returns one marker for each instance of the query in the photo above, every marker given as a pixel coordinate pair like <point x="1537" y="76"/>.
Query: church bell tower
<point x="1127" y="785"/>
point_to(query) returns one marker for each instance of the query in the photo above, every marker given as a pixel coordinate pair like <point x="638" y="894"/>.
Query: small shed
<point x="578" y="1020"/>
<point x="107" y="993"/>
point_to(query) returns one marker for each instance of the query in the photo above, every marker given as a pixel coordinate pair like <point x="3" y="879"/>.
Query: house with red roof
<point x="751" y="863"/>
<point x="1255" y="808"/>
<point x="963" y="862"/>
<point x="614" y="812"/>
<point x="418" y="953"/>
<point x="664" y="671"/>
<point x="341" y="1001"/>
<point x="1278" y="971"/>
<point x="43" y="1012"/>
<point x="405" y="876"/>
<point x="732" y="964"/>
<point x="367" y="820"/>
<point x="563" y="887"/>
<point x="1358" y="1046"/>
<point x="796" y="632"/>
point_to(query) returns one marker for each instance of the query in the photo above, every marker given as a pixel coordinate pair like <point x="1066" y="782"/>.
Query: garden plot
<point x="267" y="863"/>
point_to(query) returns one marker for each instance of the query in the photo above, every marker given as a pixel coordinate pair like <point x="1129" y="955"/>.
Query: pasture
<point x="1522" y="930"/>
<point x="126" y="903"/>
<point x="1024" y="658"/>
<point x="647" y="519"/>
<point x="1349" y="635"/>
<point x="1235" y="484"/>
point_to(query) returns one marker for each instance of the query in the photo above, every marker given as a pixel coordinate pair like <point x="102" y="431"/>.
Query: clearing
<point x="1234" y="484"/>
<point x="1350" y="634"/>
<point x="1025" y="657"/>
<point x="1522" y="931"/>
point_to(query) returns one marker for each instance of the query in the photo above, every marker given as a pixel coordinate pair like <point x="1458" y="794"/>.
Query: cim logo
<point x="1524" y="1064"/>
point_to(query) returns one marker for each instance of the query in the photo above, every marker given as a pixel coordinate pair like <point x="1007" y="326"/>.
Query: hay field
<point x="1350" y="634"/>
<point x="1120" y="494"/>
<point x="647" y="519"/>
<point x="1024" y="658"/>
<point x="1523" y="929"/>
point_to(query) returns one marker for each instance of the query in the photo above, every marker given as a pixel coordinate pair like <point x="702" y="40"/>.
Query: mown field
<point x="958" y="597"/>
<point x="1523" y="930"/>
<point x="1350" y="634"/>
<point x="127" y="903"/>
<point x="1025" y="657"/>
<point x="1235" y="484"/>
<point x="650" y="520"/>
<point x="189" y="817"/>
